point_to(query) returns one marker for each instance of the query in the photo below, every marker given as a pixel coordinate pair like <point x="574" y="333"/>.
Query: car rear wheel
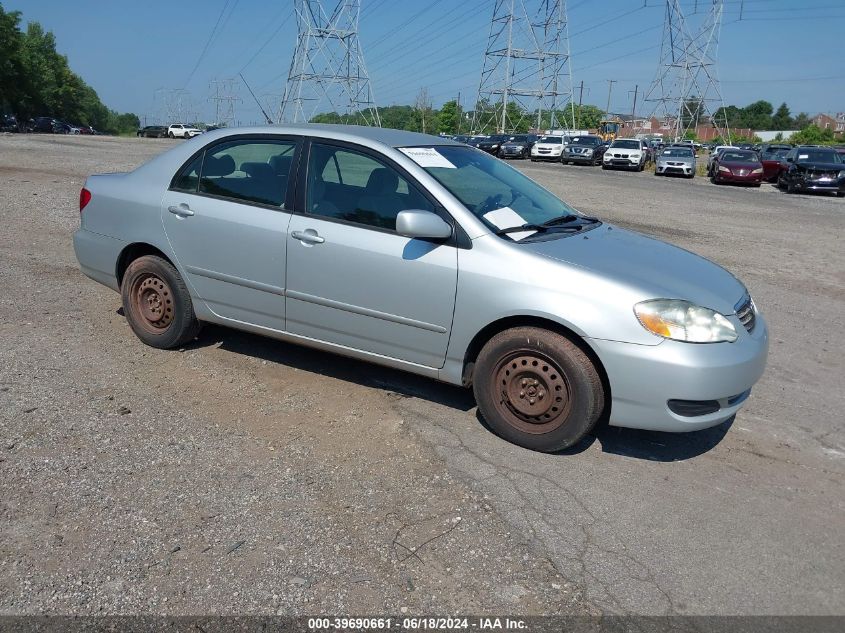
<point x="157" y="304"/>
<point x="170" y="134"/>
<point x="537" y="389"/>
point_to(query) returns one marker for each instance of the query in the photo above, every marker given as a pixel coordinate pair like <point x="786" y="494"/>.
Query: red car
<point x="738" y="166"/>
<point x="771" y="156"/>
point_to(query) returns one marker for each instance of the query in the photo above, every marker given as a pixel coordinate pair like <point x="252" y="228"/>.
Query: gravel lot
<point x="244" y="475"/>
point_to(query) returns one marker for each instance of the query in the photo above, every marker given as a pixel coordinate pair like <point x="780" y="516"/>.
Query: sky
<point x="133" y="53"/>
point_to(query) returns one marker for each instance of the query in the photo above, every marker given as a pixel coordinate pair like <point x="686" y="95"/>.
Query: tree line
<point x="35" y="80"/>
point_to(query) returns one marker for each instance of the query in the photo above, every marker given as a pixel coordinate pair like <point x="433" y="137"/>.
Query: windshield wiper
<point x="566" y="219"/>
<point x="525" y="227"/>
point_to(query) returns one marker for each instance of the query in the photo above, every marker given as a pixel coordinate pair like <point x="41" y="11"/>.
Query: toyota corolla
<point x="429" y="256"/>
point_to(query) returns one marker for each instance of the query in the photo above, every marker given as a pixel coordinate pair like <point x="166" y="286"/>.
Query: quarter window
<point x="353" y="186"/>
<point x="189" y="177"/>
<point x="249" y="170"/>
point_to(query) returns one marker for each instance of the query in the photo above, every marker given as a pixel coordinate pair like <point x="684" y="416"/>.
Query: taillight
<point x="84" y="198"/>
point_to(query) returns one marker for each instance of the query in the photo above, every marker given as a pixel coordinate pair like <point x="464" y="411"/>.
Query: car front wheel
<point x="157" y="304"/>
<point x="537" y="389"/>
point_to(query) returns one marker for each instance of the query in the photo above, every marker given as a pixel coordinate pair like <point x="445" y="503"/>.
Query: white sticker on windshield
<point x="803" y="156"/>
<point x="427" y="157"/>
<point x="506" y="218"/>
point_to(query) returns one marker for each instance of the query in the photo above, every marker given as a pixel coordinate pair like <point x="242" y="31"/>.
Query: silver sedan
<point x="678" y="161"/>
<point x="429" y="256"/>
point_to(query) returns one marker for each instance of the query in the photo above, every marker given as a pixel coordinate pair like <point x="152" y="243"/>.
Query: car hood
<point x="587" y="146"/>
<point x="657" y="269"/>
<point x="739" y="164"/>
<point x="547" y="145"/>
<point x="676" y="159"/>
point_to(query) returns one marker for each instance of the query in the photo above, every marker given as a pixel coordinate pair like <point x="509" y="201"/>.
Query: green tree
<point x="801" y="121"/>
<point x="758" y="115"/>
<point x="813" y="135"/>
<point x="782" y="119"/>
<point x="449" y="118"/>
<point x="12" y="73"/>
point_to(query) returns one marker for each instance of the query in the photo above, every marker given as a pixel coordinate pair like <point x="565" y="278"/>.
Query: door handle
<point x="182" y="210"/>
<point x="309" y="236"/>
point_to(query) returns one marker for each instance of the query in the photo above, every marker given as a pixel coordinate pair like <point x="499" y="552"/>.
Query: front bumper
<point x="681" y="170"/>
<point x="547" y="155"/>
<point x="644" y="378"/>
<point x="627" y="163"/>
<point x="837" y="186"/>
<point x="512" y="152"/>
<point x="579" y="158"/>
<point x="747" y="179"/>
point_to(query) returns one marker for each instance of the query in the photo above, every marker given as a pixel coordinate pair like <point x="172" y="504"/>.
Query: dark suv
<point x="813" y="169"/>
<point x="518" y="146"/>
<point x="492" y="143"/>
<point x="587" y="149"/>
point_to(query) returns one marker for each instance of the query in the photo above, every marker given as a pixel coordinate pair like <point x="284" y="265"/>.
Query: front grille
<point x="745" y="313"/>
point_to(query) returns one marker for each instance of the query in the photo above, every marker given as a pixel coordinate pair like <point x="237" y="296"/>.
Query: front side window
<point x="355" y="187"/>
<point x="249" y="170"/>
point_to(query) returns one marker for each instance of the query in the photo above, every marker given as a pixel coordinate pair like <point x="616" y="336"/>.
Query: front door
<point x="352" y="280"/>
<point x="227" y="222"/>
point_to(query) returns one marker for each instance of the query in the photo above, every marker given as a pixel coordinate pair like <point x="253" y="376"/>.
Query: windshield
<point x="810" y="156"/>
<point x="491" y="189"/>
<point x="555" y="140"/>
<point x="739" y="155"/>
<point x="774" y="153"/>
<point x="678" y="151"/>
<point x="585" y="140"/>
<point x="626" y="144"/>
<point x="519" y="139"/>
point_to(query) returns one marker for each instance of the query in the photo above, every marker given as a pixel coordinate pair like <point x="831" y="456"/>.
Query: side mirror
<point x="422" y="224"/>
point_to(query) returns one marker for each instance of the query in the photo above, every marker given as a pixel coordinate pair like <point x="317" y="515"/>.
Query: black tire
<point x="517" y="369"/>
<point x="641" y="167"/>
<point x="171" y="135"/>
<point x="840" y="194"/>
<point x="790" y="187"/>
<point x="157" y="303"/>
<point x="603" y="166"/>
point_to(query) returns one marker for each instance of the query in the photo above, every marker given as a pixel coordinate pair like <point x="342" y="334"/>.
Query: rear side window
<point x="249" y="170"/>
<point x="189" y="177"/>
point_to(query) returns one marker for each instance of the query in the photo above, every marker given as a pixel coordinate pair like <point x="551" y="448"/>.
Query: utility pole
<point x="610" y="83"/>
<point x="634" y="108"/>
<point x="526" y="64"/>
<point x="327" y="69"/>
<point x="224" y="98"/>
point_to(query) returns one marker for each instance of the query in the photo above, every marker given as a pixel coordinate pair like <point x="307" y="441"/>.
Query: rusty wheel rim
<point x="152" y="302"/>
<point x="531" y="392"/>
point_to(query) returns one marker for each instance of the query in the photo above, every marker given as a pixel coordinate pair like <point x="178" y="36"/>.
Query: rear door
<point x="226" y="216"/>
<point x="352" y="280"/>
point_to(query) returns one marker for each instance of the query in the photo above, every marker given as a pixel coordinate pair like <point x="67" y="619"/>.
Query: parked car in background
<point x="548" y="147"/>
<point x="771" y="157"/>
<point x="460" y="138"/>
<point x="405" y="250"/>
<point x="153" y="131"/>
<point x="473" y="141"/>
<point x="813" y="169"/>
<point x="713" y="154"/>
<point x="675" y="161"/>
<point x="625" y="153"/>
<point x="492" y="143"/>
<point x="8" y="123"/>
<point x="45" y="125"/>
<point x="518" y="146"/>
<point x="738" y="166"/>
<point x="179" y="130"/>
<point x="587" y="149"/>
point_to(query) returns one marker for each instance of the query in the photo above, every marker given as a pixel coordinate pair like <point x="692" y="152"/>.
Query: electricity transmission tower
<point x="176" y="104"/>
<point x="526" y="75"/>
<point x="327" y="72"/>
<point x="686" y="91"/>
<point x="224" y="97"/>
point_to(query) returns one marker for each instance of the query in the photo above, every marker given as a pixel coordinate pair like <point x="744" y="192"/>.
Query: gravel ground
<point x="244" y="475"/>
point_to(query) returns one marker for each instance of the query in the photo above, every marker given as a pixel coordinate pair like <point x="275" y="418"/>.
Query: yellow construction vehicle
<point x="609" y="129"/>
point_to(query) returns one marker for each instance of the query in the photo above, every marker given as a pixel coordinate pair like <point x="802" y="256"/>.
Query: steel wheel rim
<point x="152" y="303"/>
<point x="531" y="392"/>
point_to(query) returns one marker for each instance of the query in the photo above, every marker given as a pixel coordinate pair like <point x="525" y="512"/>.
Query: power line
<point x="207" y="44"/>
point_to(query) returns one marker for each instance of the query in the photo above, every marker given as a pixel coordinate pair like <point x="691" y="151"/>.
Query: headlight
<point x="841" y="174"/>
<point x="725" y="169"/>
<point x="759" y="170"/>
<point x="588" y="151"/>
<point x="494" y="146"/>
<point x="684" y="321"/>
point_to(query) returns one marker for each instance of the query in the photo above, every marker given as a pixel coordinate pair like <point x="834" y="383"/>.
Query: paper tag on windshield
<point x="506" y="218"/>
<point x="803" y="156"/>
<point x="426" y="157"/>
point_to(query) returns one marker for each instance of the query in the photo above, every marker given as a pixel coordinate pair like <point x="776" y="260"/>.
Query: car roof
<point x="351" y="133"/>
